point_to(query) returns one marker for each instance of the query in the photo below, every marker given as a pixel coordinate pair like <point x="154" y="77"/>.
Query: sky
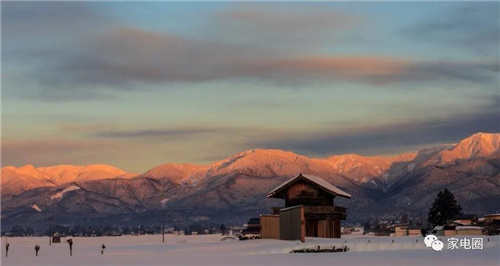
<point x="136" y="85"/>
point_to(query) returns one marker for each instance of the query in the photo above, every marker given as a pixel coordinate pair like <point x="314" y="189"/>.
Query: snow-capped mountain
<point x="234" y="189"/>
<point x="477" y="145"/>
<point x="17" y="180"/>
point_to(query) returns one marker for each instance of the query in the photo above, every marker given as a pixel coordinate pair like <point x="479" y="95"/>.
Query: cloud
<point x="271" y="43"/>
<point x="132" y="55"/>
<point x="472" y="27"/>
<point x="293" y="17"/>
<point x="125" y="55"/>
<point x="372" y="69"/>
<point x="29" y="26"/>
<point x="389" y="138"/>
<point x="157" y="133"/>
<point x="222" y="133"/>
<point x="291" y="27"/>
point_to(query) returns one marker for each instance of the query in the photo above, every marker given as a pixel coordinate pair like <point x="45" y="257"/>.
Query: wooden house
<point x="316" y="198"/>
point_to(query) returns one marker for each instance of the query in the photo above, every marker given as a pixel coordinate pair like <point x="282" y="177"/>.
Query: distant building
<point x="489" y="218"/>
<point x="469" y="230"/>
<point x="252" y="227"/>
<point x="347" y="230"/>
<point x="400" y="229"/>
<point x="457" y="230"/>
<point x="465" y="219"/>
<point x="309" y="209"/>
<point x="492" y="223"/>
<point x="445" y="230"/>
<point x="406" y="230"/>
<point x="56" y="239"/>
<point x="414" y="230"/>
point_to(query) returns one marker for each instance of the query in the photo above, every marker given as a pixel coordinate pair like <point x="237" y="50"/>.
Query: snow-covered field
<point x="209" y="250"/>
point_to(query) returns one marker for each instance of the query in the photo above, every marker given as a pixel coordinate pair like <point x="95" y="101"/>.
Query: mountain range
<point x="234" y="189"/>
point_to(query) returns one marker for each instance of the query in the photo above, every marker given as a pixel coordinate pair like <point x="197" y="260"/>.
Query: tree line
<point x="110" y="230"/>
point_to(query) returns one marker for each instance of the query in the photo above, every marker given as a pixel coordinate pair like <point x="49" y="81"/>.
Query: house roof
<point x="468" y="227"/>
<point x="465" y="217"/>
<point x="449" y="227"/>
<point x="254" y="221"/>
<point x="414" y="227"/>
<point x="313" y="179"/>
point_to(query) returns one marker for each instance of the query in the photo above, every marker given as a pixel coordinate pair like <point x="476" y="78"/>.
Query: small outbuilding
<point x="414" y="230"/>
<point x="56" y="239"/>
<point x="469" y="230"/>
<point x="445" y="230"/>
<point x="407" y="230"/>
<point x="400" y="230"/>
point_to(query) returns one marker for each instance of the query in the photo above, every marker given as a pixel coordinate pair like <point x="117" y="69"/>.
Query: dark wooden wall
<point x="292" y="224"/>
<point x="303" y="193"/>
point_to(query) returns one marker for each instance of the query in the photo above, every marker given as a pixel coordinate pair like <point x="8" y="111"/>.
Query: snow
<point x="319" y="181"/>
<point x="35" y="207"/>
<point x="209" y="250"/>
<point x="467" y="227"/>
<point x="163" y="202"/>
<point x="411" y="167"/>
<point x="61" y="193"/>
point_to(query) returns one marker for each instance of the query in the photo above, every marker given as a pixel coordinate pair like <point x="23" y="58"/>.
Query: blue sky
<point x="139" y="84"/>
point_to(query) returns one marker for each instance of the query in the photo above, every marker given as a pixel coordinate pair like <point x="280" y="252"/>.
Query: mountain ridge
<point x="19" y="179"/>
<point x="360" y="167"/>
<point x="234" y="188"/>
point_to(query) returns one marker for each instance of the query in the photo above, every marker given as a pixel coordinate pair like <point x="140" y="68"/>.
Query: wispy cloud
<point x="389" y="138"/>
<point x="470" y="27"/>
<point x="271" y="43"/>
<point x="292" y="27"/>
<point x="174" y="133"/>
<point x="48" y="19"/>
<point x="133" y="55"/>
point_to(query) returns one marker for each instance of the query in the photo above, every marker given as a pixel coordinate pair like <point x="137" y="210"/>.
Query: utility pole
<point x="50" y="230"/>
<point x="163" y="226"/>
<point x="421" y="218"/>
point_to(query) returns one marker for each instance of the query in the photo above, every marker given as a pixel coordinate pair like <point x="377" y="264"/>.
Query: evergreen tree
<point x="404" y="219"/>
<point x="444" y="208"/>
<point x="223" y="229"/>
<point x="367" y="227"/>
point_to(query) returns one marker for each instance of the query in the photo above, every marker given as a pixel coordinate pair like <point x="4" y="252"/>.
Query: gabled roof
<point x="335" y="191"/>
<point x="465" y="217"/>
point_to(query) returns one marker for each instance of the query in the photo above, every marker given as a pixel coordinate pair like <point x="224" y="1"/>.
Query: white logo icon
<point x="429" y="239"/>
<point x="437" y="245"/>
